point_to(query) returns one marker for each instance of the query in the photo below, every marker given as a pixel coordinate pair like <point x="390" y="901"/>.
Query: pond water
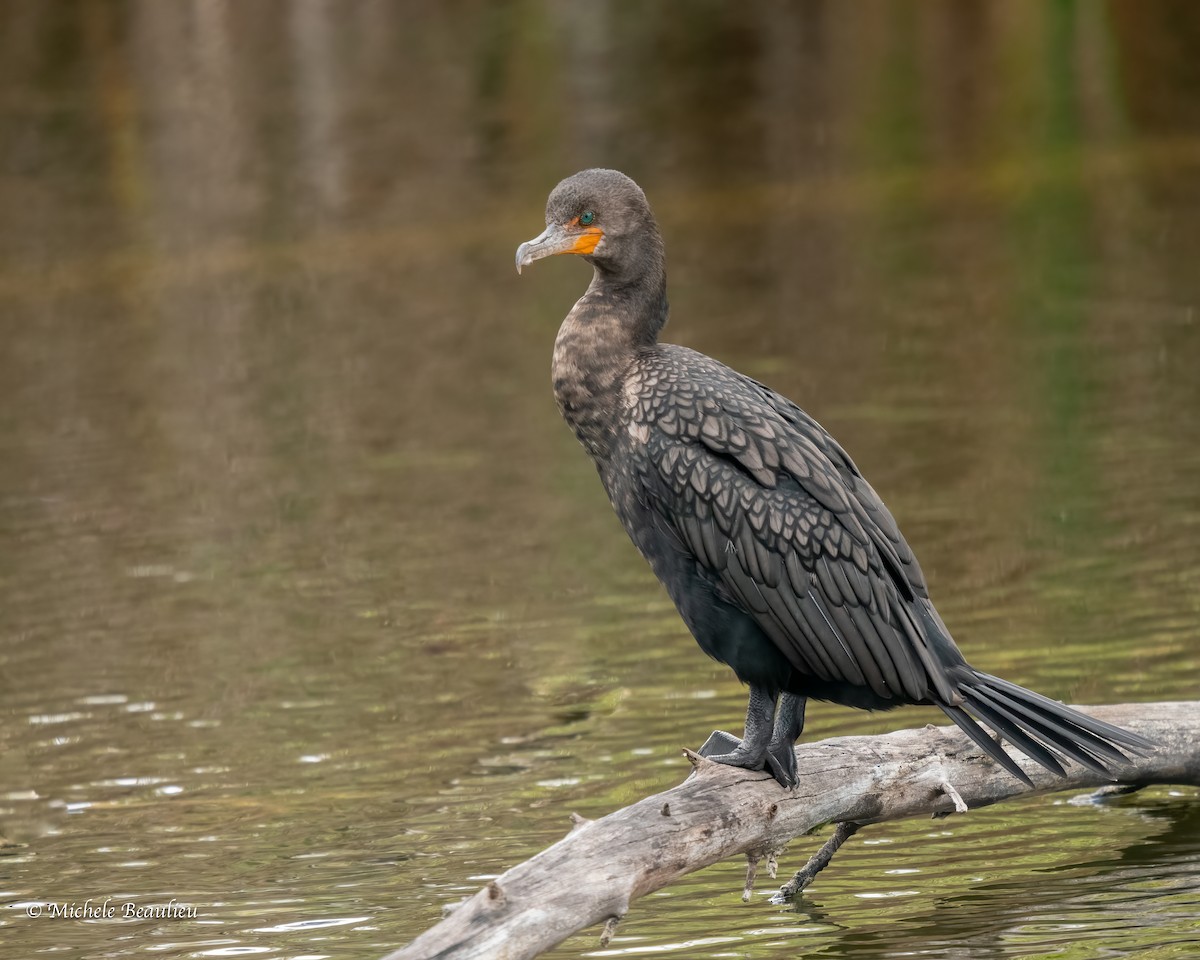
<point x="313" y="616"/>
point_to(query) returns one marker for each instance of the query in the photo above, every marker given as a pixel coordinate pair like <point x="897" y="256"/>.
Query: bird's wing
<point x="873" y="513"/>
<point x="777" y="513"/>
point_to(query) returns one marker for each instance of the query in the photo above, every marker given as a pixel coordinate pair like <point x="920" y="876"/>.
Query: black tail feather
<point x="1010" y="727"/>
<point x="1106" y="731"/>
<point x="990" y="746"/>
<point x="1080" y="745"/>
<point x="1064" y="740"/>
<point x="1041" y="728"/>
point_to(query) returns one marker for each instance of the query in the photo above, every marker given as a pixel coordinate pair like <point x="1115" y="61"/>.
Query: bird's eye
<point x="587" y="217"/>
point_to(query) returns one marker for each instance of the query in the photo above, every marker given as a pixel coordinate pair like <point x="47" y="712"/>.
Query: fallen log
<point x="594" y="873"/>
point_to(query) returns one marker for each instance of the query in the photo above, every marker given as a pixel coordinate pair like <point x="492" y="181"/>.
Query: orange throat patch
<point x="587" y="241"/>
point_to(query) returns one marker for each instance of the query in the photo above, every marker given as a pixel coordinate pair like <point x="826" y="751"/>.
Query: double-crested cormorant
<point x="781" y="558"/>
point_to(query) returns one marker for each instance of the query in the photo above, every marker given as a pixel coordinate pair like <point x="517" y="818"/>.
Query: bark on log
<point x="593" y="874"/>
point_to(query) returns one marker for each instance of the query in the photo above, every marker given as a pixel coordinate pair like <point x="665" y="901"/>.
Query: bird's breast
<point x="591" y="360"/>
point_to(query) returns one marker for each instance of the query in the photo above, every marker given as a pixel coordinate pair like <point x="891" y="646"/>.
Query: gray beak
<point x="553" y="240"/>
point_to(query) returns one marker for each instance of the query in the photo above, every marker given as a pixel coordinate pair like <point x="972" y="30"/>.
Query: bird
<point x="782" y="560"/>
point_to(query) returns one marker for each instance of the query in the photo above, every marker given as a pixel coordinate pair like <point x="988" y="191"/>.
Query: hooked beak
<point x="558" y="238"/>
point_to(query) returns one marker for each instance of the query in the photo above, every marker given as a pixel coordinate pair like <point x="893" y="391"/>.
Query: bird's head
<point x="601" y="215"/>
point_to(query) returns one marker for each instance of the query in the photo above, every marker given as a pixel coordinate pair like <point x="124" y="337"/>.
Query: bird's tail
<point x="1043" y="729"/>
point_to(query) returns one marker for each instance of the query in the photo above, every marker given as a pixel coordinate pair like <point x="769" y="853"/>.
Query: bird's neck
<point x="634" y="287"/>
<point x="597" y="345"/>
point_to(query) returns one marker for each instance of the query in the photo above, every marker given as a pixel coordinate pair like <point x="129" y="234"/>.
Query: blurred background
<point x="313" y="615"/>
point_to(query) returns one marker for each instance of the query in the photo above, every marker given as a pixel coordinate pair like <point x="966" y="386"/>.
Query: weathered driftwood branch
<point x="593" y="874"/>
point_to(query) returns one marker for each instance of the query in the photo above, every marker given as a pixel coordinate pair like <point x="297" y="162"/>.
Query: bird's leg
<point x="781" y="751"/>
<point x="751" y="751"/>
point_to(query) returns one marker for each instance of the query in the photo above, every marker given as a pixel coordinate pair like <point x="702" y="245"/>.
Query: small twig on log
<point x="592" y="875"/>
<point x="817" y="862"/>
<point x="751" y="875"/>
<point x="943" y="785"/>
<point x="960" y="805"/>
<point x="610" y="929"/>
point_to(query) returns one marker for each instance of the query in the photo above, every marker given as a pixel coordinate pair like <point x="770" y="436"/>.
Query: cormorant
<point x="782" y="560"/>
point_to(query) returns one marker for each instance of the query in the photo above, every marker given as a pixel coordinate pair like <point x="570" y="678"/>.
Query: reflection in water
<point x="313" y="615"/>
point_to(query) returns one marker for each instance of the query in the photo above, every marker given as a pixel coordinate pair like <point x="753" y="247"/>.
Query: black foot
<point x="781" y="752"/>
<point x="722" y="747"/>
<point x="754" y="752"/>
<point x="719" y="742"/>
<point x="779" y="759"/>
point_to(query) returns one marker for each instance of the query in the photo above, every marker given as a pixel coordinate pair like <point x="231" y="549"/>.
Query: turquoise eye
<point x="586" y="218"/>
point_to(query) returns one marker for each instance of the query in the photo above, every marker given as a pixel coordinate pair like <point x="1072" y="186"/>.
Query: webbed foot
<point x="722" y="747"/>
<point x="781" y="751"/>
<point x="768" y="741"/>
<point x="781" y="761"/>
<point x="778" y="759"/>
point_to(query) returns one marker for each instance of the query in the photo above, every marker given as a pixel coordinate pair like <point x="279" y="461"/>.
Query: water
<point x="312" y="614"/>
